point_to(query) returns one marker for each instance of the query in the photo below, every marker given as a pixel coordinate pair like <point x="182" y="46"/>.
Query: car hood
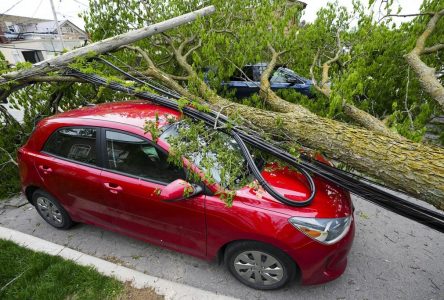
<point x="330" y="200"/>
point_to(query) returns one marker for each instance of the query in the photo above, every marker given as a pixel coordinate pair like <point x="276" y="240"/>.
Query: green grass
<point x="49" y="277"/>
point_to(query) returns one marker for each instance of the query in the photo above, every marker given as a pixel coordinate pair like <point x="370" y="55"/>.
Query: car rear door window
<point x="137" y="157"/>
<point x="78" y="144"/>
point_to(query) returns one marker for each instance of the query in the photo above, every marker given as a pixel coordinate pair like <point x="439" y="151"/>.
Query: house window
<point x="11" y="28"/>
<point x="33" y="56"/>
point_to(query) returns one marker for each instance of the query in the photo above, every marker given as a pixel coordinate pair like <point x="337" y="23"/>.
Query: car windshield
<point x="216" y="168"/>
<point x="284" y="75"/>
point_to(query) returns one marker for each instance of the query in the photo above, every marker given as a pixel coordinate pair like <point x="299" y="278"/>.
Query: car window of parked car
<point x="77" y="144"/>
<point x="282" y="75"/>
<point x="245" y="75"/>
<point x="137" y="157"/>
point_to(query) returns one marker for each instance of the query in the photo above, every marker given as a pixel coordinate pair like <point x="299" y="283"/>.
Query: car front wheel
<point x="50" y="210"/>
<point x="259" y="265"/>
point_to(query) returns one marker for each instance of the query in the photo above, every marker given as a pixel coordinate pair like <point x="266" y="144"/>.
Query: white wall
<point x="47" y="46"/>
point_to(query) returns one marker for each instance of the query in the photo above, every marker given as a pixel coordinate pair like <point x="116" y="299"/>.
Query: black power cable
<point x="245" y="152"/>
<point x="368" y="190"/>
<point x="257" y="174"/>
<point x="210" y="120"/>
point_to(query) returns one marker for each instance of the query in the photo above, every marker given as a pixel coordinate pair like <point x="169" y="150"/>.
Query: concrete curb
<point x="171" y="290"/>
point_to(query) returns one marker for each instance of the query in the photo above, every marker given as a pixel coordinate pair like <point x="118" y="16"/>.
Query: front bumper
<point x="320" y="263"/>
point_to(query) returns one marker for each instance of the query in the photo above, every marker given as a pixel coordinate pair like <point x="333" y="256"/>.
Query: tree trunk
<point x="411" y="167"/>
<point x="414" y="168"/>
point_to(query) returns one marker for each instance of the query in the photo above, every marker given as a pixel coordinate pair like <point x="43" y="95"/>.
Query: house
<point x="33" y="40"/>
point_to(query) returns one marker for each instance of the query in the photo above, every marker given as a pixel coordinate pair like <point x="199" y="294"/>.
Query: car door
<point x="135" y="171"/>
<point x="69" y="167"/>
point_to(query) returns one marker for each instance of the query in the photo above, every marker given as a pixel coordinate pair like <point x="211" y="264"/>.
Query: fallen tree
<point x="399" y="163"/>
<point x="411" y="167"/>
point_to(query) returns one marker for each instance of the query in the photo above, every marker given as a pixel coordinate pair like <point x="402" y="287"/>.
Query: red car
<point x="98" y="166"/>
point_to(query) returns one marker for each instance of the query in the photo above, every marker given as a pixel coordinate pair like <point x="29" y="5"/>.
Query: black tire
<point x="239" y="257"/>
<point x="54" y="214"/>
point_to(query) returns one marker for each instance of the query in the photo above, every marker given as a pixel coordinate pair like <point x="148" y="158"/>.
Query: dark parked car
<point x="247" y="81"/>
<point x="97" y="165"/>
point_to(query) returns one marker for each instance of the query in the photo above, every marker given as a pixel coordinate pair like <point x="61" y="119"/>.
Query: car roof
<point x="135" y="113"/>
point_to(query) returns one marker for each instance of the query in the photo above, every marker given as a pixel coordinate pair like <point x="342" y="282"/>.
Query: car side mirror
<point x="179" y="190"/>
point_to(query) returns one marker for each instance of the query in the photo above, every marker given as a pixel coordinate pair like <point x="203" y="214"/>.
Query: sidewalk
<point x="392" y="257"/>
<point x="171" y="290"/>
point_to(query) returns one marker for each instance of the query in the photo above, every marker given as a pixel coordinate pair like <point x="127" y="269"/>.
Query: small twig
<point x="407" y="110"/>
<point x="11" y="160"/>
<point x="192" y="49"/>
<point x="14" y="279"/>
<point x="219" y="113"/>
<point x="433" y="49"/>
<point x="411" y="15"/>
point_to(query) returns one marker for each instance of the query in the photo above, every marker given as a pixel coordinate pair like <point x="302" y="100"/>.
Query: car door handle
<point x="113" y="188"/>
<point x="45" y="169"/>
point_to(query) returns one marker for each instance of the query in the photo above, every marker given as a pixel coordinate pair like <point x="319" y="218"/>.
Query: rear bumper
<point x="321" y="263"/>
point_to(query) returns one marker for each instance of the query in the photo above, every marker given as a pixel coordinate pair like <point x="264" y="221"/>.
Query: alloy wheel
<point x="259" y="268"/>
<point x="49" y="211"/>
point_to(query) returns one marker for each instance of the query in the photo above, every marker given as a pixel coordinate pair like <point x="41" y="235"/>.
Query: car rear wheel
<point x="259" y="265"/>
<point x="51" y="211"/>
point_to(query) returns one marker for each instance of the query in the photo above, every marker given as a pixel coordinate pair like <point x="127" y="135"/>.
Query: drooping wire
<point x="146" y="80"/>
<point x="369" y="190"/>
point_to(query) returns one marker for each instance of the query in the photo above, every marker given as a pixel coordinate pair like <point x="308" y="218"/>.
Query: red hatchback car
<point x="97" y="165"/>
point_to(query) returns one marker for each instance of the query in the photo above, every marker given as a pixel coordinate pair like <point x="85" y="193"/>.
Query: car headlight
<point x="327" y="231"/>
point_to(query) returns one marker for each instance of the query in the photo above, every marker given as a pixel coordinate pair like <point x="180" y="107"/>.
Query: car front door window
<point x="137" y="157"/>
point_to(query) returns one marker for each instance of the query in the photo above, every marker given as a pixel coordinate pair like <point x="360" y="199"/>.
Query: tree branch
<point x="192" y="49"/>
<point x="184" y="43"/>
<point x="313" y="78"/>
<point x="143" y="53"/>
<point x="431" y="25"/>
<point x="11" y="159"/>
<point x="426" y="74"/>
<point x="361" y="117"/>
<point x="327" y="64"/>
<point x="434" y="48"/>
<point x="411" y="15"/>
<point x="52" y="78"/>
<point x="265" y="91"/>
<point x="8" y="117"/>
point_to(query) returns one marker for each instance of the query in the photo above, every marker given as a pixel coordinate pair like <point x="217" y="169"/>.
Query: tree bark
<point x="426" y="74"/>
<point x="405" y="165"/>
<point x="414" y="168"/>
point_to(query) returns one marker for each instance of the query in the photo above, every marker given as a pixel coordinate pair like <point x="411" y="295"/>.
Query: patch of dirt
<point x="115" y="260"/>
<point x="131" y="293"/>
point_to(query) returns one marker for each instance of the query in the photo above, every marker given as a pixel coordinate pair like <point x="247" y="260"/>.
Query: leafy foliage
<point x="371" y="73"/>
<point x="215" y="153"/>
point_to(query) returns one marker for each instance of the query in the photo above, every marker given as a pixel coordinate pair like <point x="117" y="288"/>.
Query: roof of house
<point x="20" y="19"/>
<point x="51" y="26"/>
<point x="34" y="25"/>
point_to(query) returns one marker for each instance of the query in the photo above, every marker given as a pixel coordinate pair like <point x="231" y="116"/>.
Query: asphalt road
<point x="391" y="258"/>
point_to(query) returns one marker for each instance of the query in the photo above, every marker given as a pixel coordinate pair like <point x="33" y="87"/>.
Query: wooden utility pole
<point x="106" y="45"/>
<point x="59" y="32"/>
